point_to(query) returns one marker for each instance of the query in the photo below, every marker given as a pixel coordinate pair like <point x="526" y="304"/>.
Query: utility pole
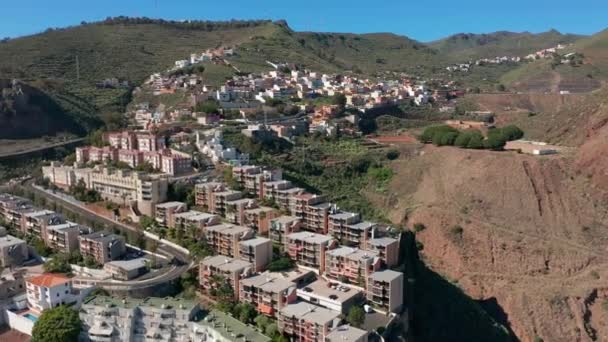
<point x="77" y="69"/>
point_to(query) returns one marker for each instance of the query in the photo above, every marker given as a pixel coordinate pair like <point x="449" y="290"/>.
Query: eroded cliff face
<point x="526" y="235"/>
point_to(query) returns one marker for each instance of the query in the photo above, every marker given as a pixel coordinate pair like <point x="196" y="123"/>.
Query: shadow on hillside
<point x="441" y="311"/>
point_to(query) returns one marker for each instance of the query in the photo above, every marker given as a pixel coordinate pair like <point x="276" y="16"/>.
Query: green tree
<point x="356" y="316"/>
<point x="434" y="134"/>
<point x="339" y="99"/>
<point x="58" y="324"/>
<point x="512" y="132"/>
<point x="261" y="322"/>
<point x="271" y="329"/>
<point x="495" y="141"/>
<point x="245" y="312"/>
<point x="476" y="141"/>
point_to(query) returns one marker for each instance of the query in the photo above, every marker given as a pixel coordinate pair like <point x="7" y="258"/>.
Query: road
<point x="41" y="148"/>
<point x="182" y="259"/>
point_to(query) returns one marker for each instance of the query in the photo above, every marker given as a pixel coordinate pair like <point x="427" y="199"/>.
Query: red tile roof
<point x="49" y="280"/>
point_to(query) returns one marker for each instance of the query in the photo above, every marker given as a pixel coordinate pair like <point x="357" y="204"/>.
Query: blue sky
<point x="421" y="20"/>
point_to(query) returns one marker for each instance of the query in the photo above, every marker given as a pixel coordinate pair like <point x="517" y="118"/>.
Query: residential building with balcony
<point x="231" y="269"/>
<point x="338" y="221"/>
<point x="347" y="333"/>
<point x="164" y="212"/>
<point x="309" y="249"/>
<point x="235" y="210"/>
<point x="253" y="178"/>
<point x="111" y="319"/>
<point x="312" y="210"/>
<point x="387" y="249"/>
<point x="351" y="265"/>
<point x="12" y="209"/>
<point x="64" y="237"/>
<point x="257" y="251"/>
<point x="203" y="192"/>
<point x="12" y="283"/>
<point x="13" y="251"/>
<point x="305" y="322"/>
<point x="329" y="295"/>
<point x="269" y="292"/>
<point x="35" y="223"/>
<point x="102" y="246"/>
<point x="219" y="200"/>
<point x="259" y="218"/>
<point x="385" y="290"/>
<point x="353" y="234"/>
<point x="281" y="227"/>
<point x="225" y="238"/>
<point x="48" y="291"/>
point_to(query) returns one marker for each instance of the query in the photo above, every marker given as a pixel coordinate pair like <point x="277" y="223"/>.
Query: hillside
<point x="546" y="76"/>
<point x="524" y="235"/>
<point x="469" y="46"/>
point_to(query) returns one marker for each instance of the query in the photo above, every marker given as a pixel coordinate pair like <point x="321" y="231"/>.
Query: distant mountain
<point x="464" y="46"/>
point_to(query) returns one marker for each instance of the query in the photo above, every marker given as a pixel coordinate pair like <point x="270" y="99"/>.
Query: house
<point x="334" y="296"/>
<point x="48" y="291"/>
<point x="102" y="246"/>
<point x="269" y="292"/>
<point x="385" y="290"/>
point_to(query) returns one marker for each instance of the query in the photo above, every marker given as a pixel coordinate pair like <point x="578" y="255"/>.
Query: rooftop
<point x="128" y="265"/>
<point x="310" y="237"/>
<point x="269" y="282"/>
<point x="173" y="204"/>
<point x="285" y="219"/>
<point x="322" y="288"/>
<point x="102" y="237"/>
<point x="346" y="333"/>
<point x="362" y="225"/>
<point x="225" y="263"/>
<point x="352" y="253"/>
<point x="343" y="215"/>
<point x="9" y="240"/>
<point x="49" y="280"/>
<point x="130" y="303"/>
<point x="386" y="275"/>
<point x="385" y="241"/>
<point x="310" y="313"/>
<point x="227" y="229"/>
<point x="256" y="242"/>
<point x="230" y="327"/>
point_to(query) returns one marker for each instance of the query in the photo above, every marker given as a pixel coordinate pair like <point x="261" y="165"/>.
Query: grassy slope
<point x="461" y="47"/>
<point x="540" y="76"/>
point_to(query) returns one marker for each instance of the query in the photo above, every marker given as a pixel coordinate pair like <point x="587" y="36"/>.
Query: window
<point x="57" y="294"/>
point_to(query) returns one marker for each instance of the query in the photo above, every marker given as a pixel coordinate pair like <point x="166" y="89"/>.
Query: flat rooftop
<point x="130" y="303"/>
<point x="385" y="241"/>
<point x="285" y="219"/>
<point x="344" y="215"/>
<point x="386" y="275"/>
<point x="310" y="313"/>
<point x="227" y="229"/>
<point x="102" y="236"/>
<point x="322" y="289"/>
<point x="269" y="282"/>
<point x="256" y="242"/>
<point x="346" y="333"/>
<point x="362" y="225"/>
<point x="173" y="204"/>
<point x="351" y="253"/>
<point x="310" y="237"/>
<point x="129" y="265"/>
<point x="9" y="240"/>
<point x="226" y="264"/>
<point x="229" y="327"/>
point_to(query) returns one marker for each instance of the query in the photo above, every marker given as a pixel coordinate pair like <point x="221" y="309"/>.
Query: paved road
<point x="41" y="148"/>
<point x="182" y="260"/>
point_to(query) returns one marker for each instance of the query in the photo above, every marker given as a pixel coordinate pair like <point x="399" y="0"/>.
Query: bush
<point x="433" y="134"/>
<point x="475" y="142"/>
<point x="456" y="231"/>
<point x="418" y="227"/>
<point x="392" y="154"/>
<point x="448" y="139"/>
<point x="495" y="141"/>
<point x="512" y="132"/>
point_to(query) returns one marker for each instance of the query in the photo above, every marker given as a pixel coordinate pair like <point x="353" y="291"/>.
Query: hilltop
<point x="546" y="75"/>
<point x="470" y="46"/>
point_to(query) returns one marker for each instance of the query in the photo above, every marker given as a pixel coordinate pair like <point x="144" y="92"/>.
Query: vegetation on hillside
<point x="448" y="136"/>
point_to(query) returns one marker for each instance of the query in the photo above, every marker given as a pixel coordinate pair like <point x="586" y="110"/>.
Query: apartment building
<point x="338" y="221"/>
<point x="164" y="212"/>
<point x="385" y="290"/>
<point x="220" y="327"/>
<point x="64" y="237"/>
<point x="111" y="319"/>
<point x="305" y="322"/>
<point x="309" y="249"/>
<point x="231" y="269"/>
<point x="387" y="249"/>
<point x="126" y="269"/>
<point x="12" y="283"/>
<point x="225" y="238"/>
<point x="121" y="140"/>
<point x="194" y="218"/>
<point x="351" y="265"/>
<point x="350" y="231"/>
<point x="12" y="209"/>
<point x="90" y="154"/>
<point x="13" y="251"/>
<point x="102" y="246"/>
<point x="347" y="333"/>
<point x="281" y="227"/>
<point x="48" y="290"/>
<point x="269" y="292"/>
<point x="335" y="297"/>
<point x="253" y="178"/>
<point x="312" y="210"/>
<point x="203" y="192"/>
<point x="259" y="218"/>
<point x="235" y="210"/>
<point x="257" y="251"/>
<point x="281" y="192"/>
<point x="219" y="200"/>
<point x="137" y="189"/>
<point x="35" y="223"/>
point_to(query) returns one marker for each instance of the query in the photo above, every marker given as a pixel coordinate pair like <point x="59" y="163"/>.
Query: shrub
<point x="495" y="141"/>
<point x="429" y="134"/>
<point x="418" y="227"/>
<point x="392" y="154"/>
<point x="475" y="142"/>
<point x="456" y="231"/>
<point x="512" y="132"/>
<point x="448" y="139"/>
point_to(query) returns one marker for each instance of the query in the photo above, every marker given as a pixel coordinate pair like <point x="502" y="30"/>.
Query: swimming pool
<point x="31" y="317"/>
